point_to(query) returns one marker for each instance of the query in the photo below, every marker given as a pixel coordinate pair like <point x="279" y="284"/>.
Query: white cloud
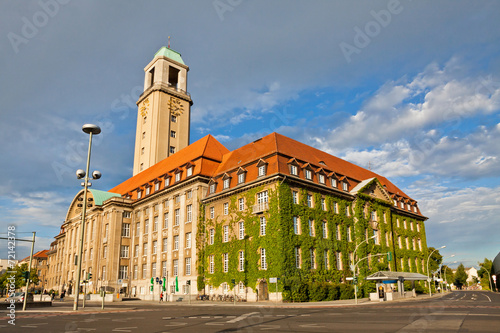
<point x="433" y="98"/>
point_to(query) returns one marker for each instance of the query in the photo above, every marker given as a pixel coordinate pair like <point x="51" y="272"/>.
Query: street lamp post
<point x="441" y="267"/>
<point x="446" y="280"/>
<point x="353" y="268"/>
<point x="90" y="130"/>
<point x="428" y="276"/>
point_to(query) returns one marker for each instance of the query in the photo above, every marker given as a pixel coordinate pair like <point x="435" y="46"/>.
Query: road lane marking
<point x="177" y="324"/>
<point x="240" y="318"/>
<point x="124" y="329"/>
<point x="487" y="297"/>
<point x="215" y="324"/>
<point x="311" y="326"/>
<point x="268" y="327"/>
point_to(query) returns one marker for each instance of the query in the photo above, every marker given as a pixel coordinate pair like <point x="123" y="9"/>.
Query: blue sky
<point x="410" y="89"/>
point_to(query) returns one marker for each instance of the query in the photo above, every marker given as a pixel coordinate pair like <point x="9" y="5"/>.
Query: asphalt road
<point x="461" y="311"/>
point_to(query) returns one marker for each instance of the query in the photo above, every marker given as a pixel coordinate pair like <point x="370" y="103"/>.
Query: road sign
<point x="273" y="280"/>
<point x="429" y="280"/>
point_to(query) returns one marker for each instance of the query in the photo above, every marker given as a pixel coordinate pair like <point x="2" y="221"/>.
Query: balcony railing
<point x="260" y="207"/>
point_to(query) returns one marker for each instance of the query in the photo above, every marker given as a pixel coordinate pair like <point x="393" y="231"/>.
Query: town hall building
<point x="206" y="220"/>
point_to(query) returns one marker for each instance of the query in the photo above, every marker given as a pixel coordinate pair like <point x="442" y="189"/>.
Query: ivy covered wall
<point x="280" y="240"/>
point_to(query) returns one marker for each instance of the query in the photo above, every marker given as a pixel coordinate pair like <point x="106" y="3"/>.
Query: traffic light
<point x="26" y="275"/>
<point x="389" y="256"/>
<point x="188" y="282"/>
<point x="89" y="276"/>
<point x="355" y="280"/>
<point x="152" y="280"/>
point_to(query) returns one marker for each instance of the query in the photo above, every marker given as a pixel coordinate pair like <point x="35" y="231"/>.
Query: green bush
<point x="318" y="291"/>
<point x="300" y="292"/>
<point x="333" y="292"/>
<point x="346" y="291"/>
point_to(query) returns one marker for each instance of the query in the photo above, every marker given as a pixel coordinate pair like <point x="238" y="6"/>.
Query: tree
<point x="435" y="260"/>
<point x="20" y="281"/>
<point x="486" y="267"/>
<point x="460" y="276"/>
<point x="447" y="274"/>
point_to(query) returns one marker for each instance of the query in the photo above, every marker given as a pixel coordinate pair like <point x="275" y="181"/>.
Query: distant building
<point x="471" y="275"/>
<point x="203" y="217"/>
<point x="39" y="263"/>
<point x="5" y="265"/>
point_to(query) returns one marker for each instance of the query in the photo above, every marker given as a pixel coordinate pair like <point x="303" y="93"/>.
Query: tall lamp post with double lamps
<point x="440" y="271"/>
<point x="90" y="130"/>
<point x="353" y="268"/>
<point x="428" y="276"/>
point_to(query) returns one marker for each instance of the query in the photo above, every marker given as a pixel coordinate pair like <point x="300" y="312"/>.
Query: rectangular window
<point x="295" y="197"/>
<point x="309" y="200"/>
<point x="173" y="118"/>
<point x="155" y="246"/>
<point x="263" y="261"/>
<point x="124" y="251"/>
<point x="345" y="186"/>
<point x="212" y="188"/>
<point x="177" y="217"/>
<point x="241" y="230"/>
<point x="105" y="252"/>
<point x="164" y="268"/>
<point x="165" y="244"/>
<point x="176" y="242"/>
<point x="308" y="174"/>
<point x="338" y="235"/>
<point x="146" y="226"/>
<point x="313" y="258"/>
<point x="103" y="274"/>
<point x="326" y="259"/>
<point x="225" y="183"/>
<point x="296" y="225"/>
<point x="148" y="190"/>
<point x="127" y="215"/>
<point x="226" y="208"/>
<point x="188" y="266"/>
<point x="335" y="207"/>
<point x="212" y="212"/>
<point x="211" y="264"/>
<point x="126" y="230"/>
<point x="325" y="230"/>
<point x="188" y="240"/>
<point x="373" y="215"/>
<point x="189" y="213"/>
<point x="311" y="228"/>
<point x="172" y="134"/>
<point x="241" y="178"/>
<point x="144" y="249"/>
<point x="211" y="237"/>
<point x="172" y="151"/>
<point x="376" y="239"/>
<point x="123" y="273"/>
<point x="241" y="261"/>
<point x="136" y="250"/>
<point x="165" y="220"/>
<point x="139" y="193"/>
<point x="177" y="175"/>
<point x="334" y="182"/>
<point x="338" y="257"/>
<point x="136" y="272"/>
<point x="157" y="186"/>
<point x="241" y="204"/>
<point x="225" y="262"/>
<point x="167" y="182"/>
<point x="153" y="269"/>
<point x="321" y="178"/>
<point x="225" y="234"/>
<point x="262" y="170"/>
<point x="155" y="223"/>
<point x="323" y="204"/>
<point x="176" y="267"/>
<point x="297" y="257"/>
<point x="294" y="170"/>
<point x="262" y="226"/>
<point x="262" y="197"/>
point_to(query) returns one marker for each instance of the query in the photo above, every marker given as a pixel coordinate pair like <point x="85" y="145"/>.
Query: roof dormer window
<point x="167" y="181"/>
<point x="189" y="171"/>
<point x="212" y="187"/>
<point x="321" y="178"/>
<point x="139" y="194"/>
<point x="334" y="182"/>
<point x="226" y="182"/>
<point x="262" y="168"/>
<point x="148" y="190"/>
<point x="308" y="174"/>
<point x="294" y="170"/>
<point x="345" y="186"/>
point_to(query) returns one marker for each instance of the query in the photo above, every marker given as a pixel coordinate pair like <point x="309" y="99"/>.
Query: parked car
<point x="19" y="297"/>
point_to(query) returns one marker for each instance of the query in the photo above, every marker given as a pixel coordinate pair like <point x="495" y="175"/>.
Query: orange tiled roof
<point x="204" y="154"/>
<point x="39" y="255"/>
<point x="277" y="143"/>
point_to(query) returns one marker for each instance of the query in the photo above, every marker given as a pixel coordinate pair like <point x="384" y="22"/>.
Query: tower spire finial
<point x="168" y="45"/>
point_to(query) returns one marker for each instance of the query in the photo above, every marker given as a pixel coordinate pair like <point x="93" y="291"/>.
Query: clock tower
<point x="164" y="110"/>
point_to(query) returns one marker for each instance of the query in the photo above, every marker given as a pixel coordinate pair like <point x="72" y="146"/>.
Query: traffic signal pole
<point x="29" y="272"/>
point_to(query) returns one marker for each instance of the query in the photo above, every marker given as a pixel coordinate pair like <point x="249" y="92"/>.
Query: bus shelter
<point x="387" y="280"/>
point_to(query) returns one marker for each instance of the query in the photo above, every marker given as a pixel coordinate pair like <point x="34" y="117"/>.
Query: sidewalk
<point x="92" y="306"/>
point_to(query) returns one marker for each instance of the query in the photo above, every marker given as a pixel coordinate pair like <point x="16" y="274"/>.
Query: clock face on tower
<point x="176" y="107"/>
<point x="144" y="107"/>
